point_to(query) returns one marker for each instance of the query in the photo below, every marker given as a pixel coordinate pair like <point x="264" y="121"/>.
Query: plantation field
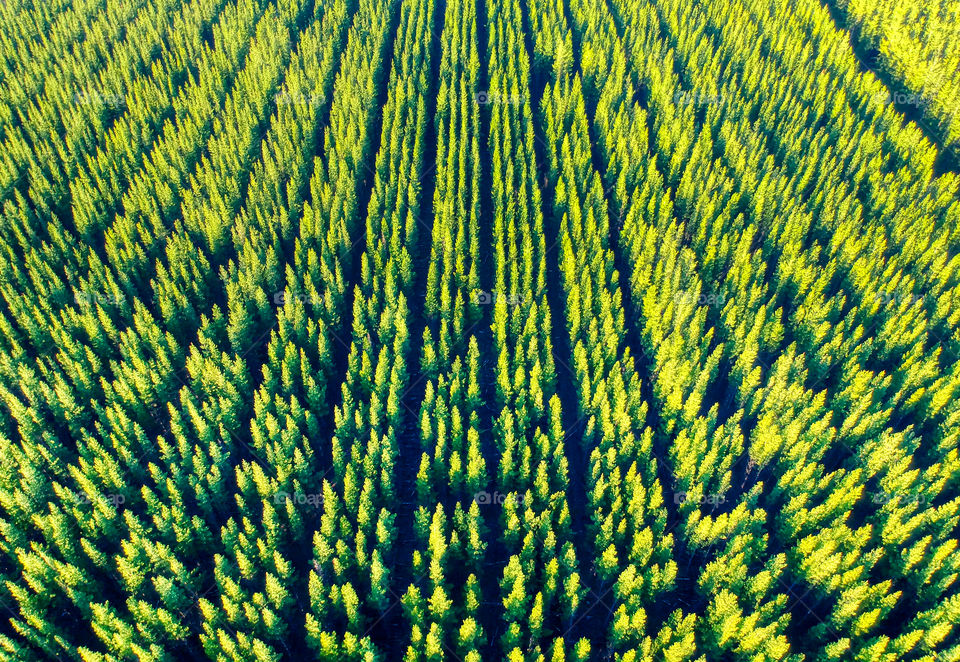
<point x="543" y="331"/>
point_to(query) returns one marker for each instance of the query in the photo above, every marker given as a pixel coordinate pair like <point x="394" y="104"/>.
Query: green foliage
<point x="312" y="347"/>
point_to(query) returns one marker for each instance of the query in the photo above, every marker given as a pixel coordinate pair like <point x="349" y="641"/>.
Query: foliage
<point x="560" y="330"/>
